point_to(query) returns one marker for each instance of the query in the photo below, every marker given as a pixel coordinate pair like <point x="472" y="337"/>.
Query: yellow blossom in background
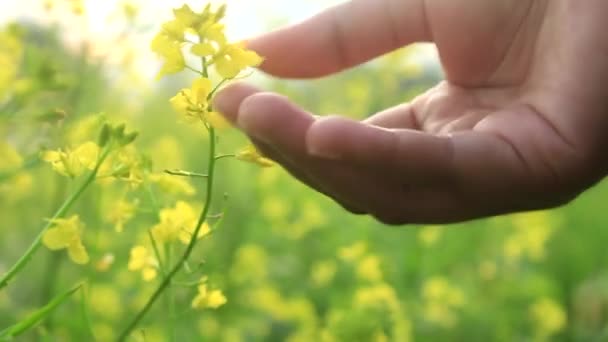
<point x="548" y="316"/>
<point x="313" y="214"/>
<point x="429" y="235"/>
<point x="206" y="298"/>
<point x="368" y="269"/>
<point x="125" y="165"/>
<point x="323" y="272"/>
<point x="73" y="163"/>
<point x="166" y="153"/>
<point x="530" y="235"/>
<point x="251" y="154"/>
<point x="10" y="159"/>
<point x="298" y="311"/>
<point x="186" y="234"/>
<point x="173" y="185"/>
<point x="353" y="252"/>
<point x="19" y="186"/>
<point x="440" y="301"/>
<point x="83" y="129"/>
<point x="120" y="213"/>
<point x="170" y="51"/>
<point x="11" y="52"/>
<point x="66" y="234"/>
<point x="77" y="7"/>
<point x="250" y="265"/>
<point x="105" y="301"/>
<point x="381" y="294"/>
<point x="178" y="223"/>
<point x="141" y="259"/>
<point x="274" y="208"/>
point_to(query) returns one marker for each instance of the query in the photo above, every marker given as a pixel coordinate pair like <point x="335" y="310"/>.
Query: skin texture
<point x="518" y="124"/>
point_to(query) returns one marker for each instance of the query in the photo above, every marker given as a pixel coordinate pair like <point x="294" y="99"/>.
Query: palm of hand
<point x="502" y="134"/>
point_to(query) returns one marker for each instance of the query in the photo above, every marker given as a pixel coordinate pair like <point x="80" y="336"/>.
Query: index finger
<point x="341" y="37"/>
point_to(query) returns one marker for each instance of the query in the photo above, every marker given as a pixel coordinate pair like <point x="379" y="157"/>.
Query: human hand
<point x="517" y="125"/>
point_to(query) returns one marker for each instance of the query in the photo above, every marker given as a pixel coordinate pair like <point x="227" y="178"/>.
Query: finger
<point x="402" y="116"/>
<point x="293" y="170"/>
<point x="229" y="102"/>
<point x="341" y="37"/>
<point x="413" y="155"/>
<point x="276" y="122"/>
<point x="229" y="99"/>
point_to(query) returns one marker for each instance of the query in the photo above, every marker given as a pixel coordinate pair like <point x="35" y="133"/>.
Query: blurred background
<point x="293" y="265"/>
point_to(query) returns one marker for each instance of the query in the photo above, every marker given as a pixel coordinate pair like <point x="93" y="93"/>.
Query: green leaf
<point x="37" y="316"/>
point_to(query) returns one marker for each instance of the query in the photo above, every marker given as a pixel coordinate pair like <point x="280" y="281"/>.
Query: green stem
<point x="170" y="299"/>
<point x="186" y="255"/>
<point x="223" y="156"/>
<point x="161" y="264"/>
<point x="65" y="207"/>
<point x="181" y="173"/>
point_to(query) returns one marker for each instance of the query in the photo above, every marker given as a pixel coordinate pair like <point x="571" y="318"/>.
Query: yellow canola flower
<point x="10" y="159"/>
<point x="142" y="260"/>
<point x="73" y="163"/>
<point x="169" y="50"/>
<point x="169" y="41"/>
<point x="66" y="234"/>
<point x="120" y="213"/>
<point x="429" y="235"/>
<point x="369" y="269"/>
<point x="353" y="253"/>
<point x="178" y="223"/>
<point x="193" y="103"/>
<point x="549" y="317"/>
<point x="234" y="59"/>
<point x="208" y="299"/>
<point x="323" y="272"/>
<point x="127" y="165"/>
<point x="251" y="154"/>
<point x="440" y="301"/>
<point x="381" y="294"/>
<point x="77" y="7"/>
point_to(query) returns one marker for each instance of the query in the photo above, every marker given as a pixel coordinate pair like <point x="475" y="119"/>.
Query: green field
<point x="280" y="262"/>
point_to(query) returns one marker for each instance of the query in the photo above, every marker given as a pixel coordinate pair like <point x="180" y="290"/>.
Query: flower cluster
<point x="206" y="298"/>
<point x="141" y="259"/>
<point x="66" y="234"/>
<point x="73" y="162"/>
<point x="203" y="36"/>
<point x="178" y="223"/>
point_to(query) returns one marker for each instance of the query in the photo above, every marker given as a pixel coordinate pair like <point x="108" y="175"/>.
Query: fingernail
<point x="318" y="140"/>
